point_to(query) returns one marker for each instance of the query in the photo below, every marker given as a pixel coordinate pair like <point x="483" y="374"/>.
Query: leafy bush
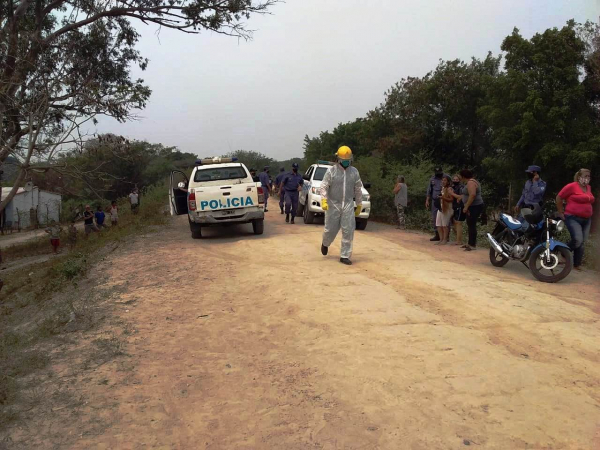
<point x="382" y="175"/>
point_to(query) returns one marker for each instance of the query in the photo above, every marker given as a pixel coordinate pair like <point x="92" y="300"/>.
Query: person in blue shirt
<point x="265" y="181"/>
<point x="99" y="217"/>
<point x="291" y="185"/>
<point x="278" y="180"/>
<point x="534" y="190"/>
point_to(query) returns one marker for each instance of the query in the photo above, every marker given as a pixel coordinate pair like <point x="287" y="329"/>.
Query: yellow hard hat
<point x="344" y="152"/>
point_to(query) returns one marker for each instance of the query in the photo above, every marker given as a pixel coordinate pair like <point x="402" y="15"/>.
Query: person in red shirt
<point x="578" y="212"/>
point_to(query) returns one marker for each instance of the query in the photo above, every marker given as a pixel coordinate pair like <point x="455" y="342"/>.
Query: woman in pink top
<point x="578" y="213"/>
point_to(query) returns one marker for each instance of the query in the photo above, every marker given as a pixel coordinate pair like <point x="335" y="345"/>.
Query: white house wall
<point x="21" y="204"/>
<point x="47" y="204"/>
<point x="49" y="207"/>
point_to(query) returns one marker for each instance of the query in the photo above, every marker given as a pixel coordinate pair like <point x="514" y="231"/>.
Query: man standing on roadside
<point x="434" y="191"/>
<point x="134" y="199"/>
<point x="266" y="184"/>
<point x="278" y="180"/>
<point x="291" y="184"/>
<point x="534" y="190"/>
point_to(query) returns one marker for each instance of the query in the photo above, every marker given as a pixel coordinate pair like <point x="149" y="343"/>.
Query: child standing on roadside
<point x="114" y="213"/>
<point x="54" y="231"/>
<point x="100" y="218"/>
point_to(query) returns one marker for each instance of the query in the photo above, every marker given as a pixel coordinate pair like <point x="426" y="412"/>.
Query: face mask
<point x="584" y="180"/>
<point x="530" y="175"/>
<point x="439" y="175"/>
<point x="455" y="183"/>
<point x="295" y="170"/>
<point x="345" y="163"/>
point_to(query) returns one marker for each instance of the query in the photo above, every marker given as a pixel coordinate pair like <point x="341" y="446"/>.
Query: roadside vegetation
<point x="46" y="304"/>
<point x="536" y="103"/>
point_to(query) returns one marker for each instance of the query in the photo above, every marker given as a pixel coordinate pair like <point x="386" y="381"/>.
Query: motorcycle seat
<point x="511" y="222"/>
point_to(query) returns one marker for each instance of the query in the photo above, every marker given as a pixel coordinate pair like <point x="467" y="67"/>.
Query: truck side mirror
<point x="306" y="177"/>
<point x="367" y="185"/>
<point x="181" y="184"/>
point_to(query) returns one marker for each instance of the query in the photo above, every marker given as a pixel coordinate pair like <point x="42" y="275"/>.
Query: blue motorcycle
<point x="532" y="243"/>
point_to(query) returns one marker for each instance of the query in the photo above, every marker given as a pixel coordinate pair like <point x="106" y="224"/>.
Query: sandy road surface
<point x="259" y="342"/>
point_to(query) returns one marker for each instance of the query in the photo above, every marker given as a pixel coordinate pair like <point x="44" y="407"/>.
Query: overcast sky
<point x="313" y="64"/>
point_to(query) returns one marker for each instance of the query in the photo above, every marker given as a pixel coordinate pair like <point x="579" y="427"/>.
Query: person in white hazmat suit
<point x="339" y="189"/>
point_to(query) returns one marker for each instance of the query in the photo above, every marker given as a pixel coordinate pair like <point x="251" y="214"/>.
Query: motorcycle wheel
<point x="561" y="257"/>
<point x="497" y="259"/>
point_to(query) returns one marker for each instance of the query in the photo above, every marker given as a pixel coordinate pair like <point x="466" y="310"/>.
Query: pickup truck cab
<point x="219" y="192"/>
<point x="309" y="204"/>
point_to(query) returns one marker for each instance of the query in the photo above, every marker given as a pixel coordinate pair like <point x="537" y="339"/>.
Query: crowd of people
<point x="93" y="221"/>
<point x="452" y="200"/>
<point x="457" y="199"/>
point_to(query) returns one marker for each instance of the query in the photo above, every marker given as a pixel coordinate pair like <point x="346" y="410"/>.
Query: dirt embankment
<point x="258" y="342"/>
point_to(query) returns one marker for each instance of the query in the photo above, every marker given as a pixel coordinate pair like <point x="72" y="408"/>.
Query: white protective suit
<point x="340" y="187"/>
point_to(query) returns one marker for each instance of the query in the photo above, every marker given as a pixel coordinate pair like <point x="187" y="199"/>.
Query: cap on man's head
<point x="295" y="166"/>
<point x="537" y="169"/>
<point x="438" y="169"/>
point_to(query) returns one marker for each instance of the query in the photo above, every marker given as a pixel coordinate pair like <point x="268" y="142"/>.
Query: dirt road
<point x="259" y="342"/>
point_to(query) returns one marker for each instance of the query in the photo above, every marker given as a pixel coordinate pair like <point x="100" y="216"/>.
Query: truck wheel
<point x="258" y="226"/>
<point x="195" y="229"/>
<point x="361" y="224"/>
<point x="309" y="217"/>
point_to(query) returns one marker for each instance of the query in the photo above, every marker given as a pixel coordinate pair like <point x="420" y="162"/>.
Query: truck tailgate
<point x="216" y="198"/>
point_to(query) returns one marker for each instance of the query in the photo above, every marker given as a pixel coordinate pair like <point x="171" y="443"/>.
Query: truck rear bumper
<point x="208" y="220"/>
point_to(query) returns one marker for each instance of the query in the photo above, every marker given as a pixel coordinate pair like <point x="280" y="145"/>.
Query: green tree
<point x="252" y="159"/>
<point x="538" y="110"/>
<point x="65" y="61"/>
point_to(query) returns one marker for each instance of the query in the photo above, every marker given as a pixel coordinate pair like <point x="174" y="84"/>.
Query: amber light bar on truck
<point x="205" y="161"/>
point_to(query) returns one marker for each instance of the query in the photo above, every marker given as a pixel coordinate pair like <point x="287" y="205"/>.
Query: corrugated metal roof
<point x="6" y="191"/>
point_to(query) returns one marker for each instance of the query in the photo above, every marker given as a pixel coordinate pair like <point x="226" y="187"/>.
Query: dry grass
<point x="41" y="304"/>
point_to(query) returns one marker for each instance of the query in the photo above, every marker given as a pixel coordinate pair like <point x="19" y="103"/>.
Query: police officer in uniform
<point x="434" y="190"/>
<point x="534" y="190"/>
<point x="278" y="180"/>
<point x="291" y="184"/>
<point x="265" y="181"/>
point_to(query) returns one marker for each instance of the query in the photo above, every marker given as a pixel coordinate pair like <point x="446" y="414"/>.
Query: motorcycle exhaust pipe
<point x="496" y="246"/>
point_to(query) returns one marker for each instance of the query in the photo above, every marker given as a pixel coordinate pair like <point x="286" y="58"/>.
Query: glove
<point x="324" y="205"/>
<point x="357" y="210"/>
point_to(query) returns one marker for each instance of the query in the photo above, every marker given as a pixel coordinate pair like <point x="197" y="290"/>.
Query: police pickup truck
<point x="219" y="192"/>
<point x="309" y="203"/>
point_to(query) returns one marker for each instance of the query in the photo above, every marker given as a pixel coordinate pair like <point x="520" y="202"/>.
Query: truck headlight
<point x="366" y="198"/>
<point x="315" y="191"/>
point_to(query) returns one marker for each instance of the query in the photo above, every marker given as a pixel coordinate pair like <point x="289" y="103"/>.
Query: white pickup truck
<point x="220" y="192"/>
<point x="309" y="204"/>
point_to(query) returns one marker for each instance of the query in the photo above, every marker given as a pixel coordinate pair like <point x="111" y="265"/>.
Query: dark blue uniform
<point x="278" y="181"/>
<point x="266" y="184"/>
<point x="291" y="181"/>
